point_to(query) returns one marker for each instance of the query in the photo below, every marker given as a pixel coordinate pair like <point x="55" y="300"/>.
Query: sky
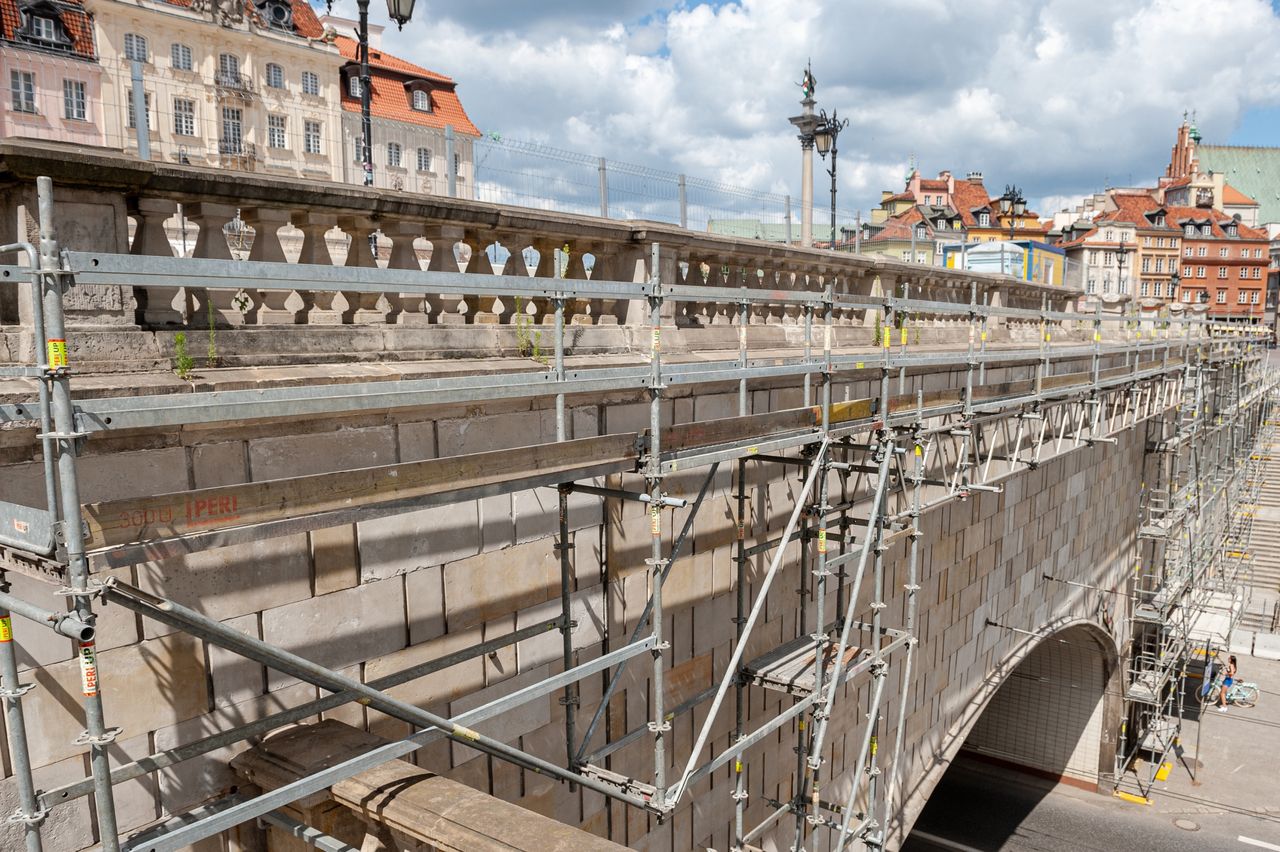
<point x="1061" y="97"/>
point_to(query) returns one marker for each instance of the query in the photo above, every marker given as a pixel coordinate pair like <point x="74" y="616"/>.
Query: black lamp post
<point x="1122" y="252"/>
<point x="825" y="139"/>
<point x="399" y="11"/>
<point x="1012" y="202"/>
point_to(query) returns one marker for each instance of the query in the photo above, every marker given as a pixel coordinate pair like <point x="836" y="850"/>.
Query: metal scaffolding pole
<point x="96" y="735"/>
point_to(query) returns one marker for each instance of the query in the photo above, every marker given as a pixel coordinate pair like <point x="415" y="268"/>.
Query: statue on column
<point x="808" y="85"/>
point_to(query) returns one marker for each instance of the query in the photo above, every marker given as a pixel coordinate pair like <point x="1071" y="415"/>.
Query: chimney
<point x="974" y="177"/>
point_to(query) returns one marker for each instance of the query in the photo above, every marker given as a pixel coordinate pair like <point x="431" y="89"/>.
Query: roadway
<point x="1232" y="805"/>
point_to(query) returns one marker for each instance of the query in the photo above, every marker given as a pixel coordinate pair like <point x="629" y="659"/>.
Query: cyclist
<point x="1227" y="680"/>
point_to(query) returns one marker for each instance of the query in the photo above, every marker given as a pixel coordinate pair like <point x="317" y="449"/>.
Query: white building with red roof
<point x="249" y="85"/>
<point x="412" y="110"/>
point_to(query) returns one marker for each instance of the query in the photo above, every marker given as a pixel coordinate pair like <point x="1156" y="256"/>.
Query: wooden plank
<point x="124" y="521"/>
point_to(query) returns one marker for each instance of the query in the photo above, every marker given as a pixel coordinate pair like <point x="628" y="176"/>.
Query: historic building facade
<point x="248" y="86"/>
<point x="411" y="109"/>
<point x="50" y="68"/>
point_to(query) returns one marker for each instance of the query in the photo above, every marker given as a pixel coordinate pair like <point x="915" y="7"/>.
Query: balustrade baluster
<point x="444" y="306"/>
<point x="157" y="305"/>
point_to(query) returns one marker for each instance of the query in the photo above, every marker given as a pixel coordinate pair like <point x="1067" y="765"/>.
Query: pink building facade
<point x="50" y="72"/>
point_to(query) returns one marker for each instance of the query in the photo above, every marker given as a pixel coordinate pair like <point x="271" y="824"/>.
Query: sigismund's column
<point x="806" y="123"/>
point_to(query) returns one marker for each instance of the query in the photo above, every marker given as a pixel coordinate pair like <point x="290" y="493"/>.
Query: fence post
<point x="140" y="122"/>
<point x="604" y="190"/>
<point x="449" y="166"/>
<point x="787" y="214"/>
<point x="684" y="204"/>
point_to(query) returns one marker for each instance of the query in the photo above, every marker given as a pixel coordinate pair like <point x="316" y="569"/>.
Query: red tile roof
<point x="934" y="185"/>
<point x="78" y="24"/>
<point x="1199" y="215"/>
<point x="390" y="99"/>
<point x="1231" y="195"/>
<point x="1132" y="208"/>
<point x="967" y="197"/>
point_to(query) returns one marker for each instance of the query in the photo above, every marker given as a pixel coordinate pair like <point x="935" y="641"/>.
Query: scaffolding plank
<point x="26" y="528"/>
<point x="119" y="522"/>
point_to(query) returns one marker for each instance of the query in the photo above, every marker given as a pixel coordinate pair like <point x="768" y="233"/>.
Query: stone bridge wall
<point x="380" y="596"/>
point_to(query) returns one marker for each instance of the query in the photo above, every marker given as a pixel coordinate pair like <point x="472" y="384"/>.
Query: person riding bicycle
<point x="1227" y="680"/>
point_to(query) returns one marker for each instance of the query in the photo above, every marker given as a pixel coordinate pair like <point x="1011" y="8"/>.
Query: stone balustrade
<point x="109" y="202"/>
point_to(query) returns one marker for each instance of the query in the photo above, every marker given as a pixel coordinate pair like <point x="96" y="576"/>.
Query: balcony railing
<point x="233" y="82"/>
<point x="236" y="148"/>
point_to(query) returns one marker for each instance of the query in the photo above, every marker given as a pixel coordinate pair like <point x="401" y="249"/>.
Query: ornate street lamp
<point x="399" y="11"/>
<point x="1012" y="202"/>
<point x="825" y="139"/>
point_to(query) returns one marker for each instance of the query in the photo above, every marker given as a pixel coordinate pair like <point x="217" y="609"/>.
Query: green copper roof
<point x="1253" y="171"/>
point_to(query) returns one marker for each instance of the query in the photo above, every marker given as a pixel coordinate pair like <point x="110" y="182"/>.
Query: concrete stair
<point x="1265" y="547"/>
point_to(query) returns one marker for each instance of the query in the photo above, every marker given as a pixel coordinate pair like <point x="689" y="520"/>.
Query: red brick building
<point x="1224" y="263"/>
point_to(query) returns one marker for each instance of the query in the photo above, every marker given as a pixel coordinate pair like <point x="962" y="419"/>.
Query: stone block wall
<point x="378" y="596"/>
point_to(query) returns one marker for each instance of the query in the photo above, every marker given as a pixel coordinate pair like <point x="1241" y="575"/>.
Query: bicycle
<point x="1243" y="694"/>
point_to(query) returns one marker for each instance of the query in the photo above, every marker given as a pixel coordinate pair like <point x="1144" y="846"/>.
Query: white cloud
<point x="1054" y="95"/>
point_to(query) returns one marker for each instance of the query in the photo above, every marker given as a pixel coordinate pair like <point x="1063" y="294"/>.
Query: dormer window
<point x="43" y="28"/>
<point x="1160" y="219"/>
<point x="921" y="232"/>
<point x="421" y="100"/>
<point x="353" y="86"/>
<point x="1206" y="230"/>
<point x="42" y="25"/>
<point x="1232" y="231"/>
<point x="984" y="220"/>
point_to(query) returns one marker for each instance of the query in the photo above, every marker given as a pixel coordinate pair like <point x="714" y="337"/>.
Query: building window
<point x="135" y="48"/>
<point x="1144" y="289"/>
<point x="1187" y="251"/>
<point x="984" y="220"/>
<point x="43" y="28"/>
<point x="146" y="106"/>
<point x="184" y="117"/>
<point x="1110" y="236"/>
<point x="1257" y="272"/>
<point x="180" y="57"/>
<point x="1159" y="264"/>
<point x="228" y="69"/>
<point x="1199" y="271"/>
<point x="421" y="100"/>
<point x="1206" y="230"/>
<point x="1257" y="252"/>
<point x="1242" y="297"/>
<point x="457" y="164"/>
<point x="232" y="141"/>
<point x="311" y="138"/>
<point x="1224" y="252"/>
<point x="393" y="154"/>
<point x="73" y="100"/>
<point x="1222" y="272"/>
<point x="1158" y="289"/>
<point x="1202" y="251"/>
<point x="1186" y="296"/>
<point x="275" y="132"/>
<point x="1146" y="265"/>
<point x="1146" y="241"/>
<point x="424" y="159"/>
<point x="1189" y="230"/>
<point x="275" y="76"/>
<point x="1222" y="297"/>
<point x="1253" y="297"/>
<point x="1091" y="287"/>
<point x="353" y="86"/>
<point x="22" y="85"/>
<point x="1232" y="231"/>
<point x="921" y="233"/>
<point x="310" y="83"/>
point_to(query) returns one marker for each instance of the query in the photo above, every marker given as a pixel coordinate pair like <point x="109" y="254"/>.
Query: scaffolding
<point x="1200" y="487"/>
<point x="869" y="469"/>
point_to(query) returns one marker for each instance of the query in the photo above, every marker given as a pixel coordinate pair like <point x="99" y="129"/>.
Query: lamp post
<point x="1012" y="204"/>
<point x="1121" y="253"/>
<point x="399" y="11"/>
<point x="825" y="138"/>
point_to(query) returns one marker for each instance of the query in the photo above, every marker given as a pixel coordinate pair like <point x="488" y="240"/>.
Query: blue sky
<point x="1054" y="95"/>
